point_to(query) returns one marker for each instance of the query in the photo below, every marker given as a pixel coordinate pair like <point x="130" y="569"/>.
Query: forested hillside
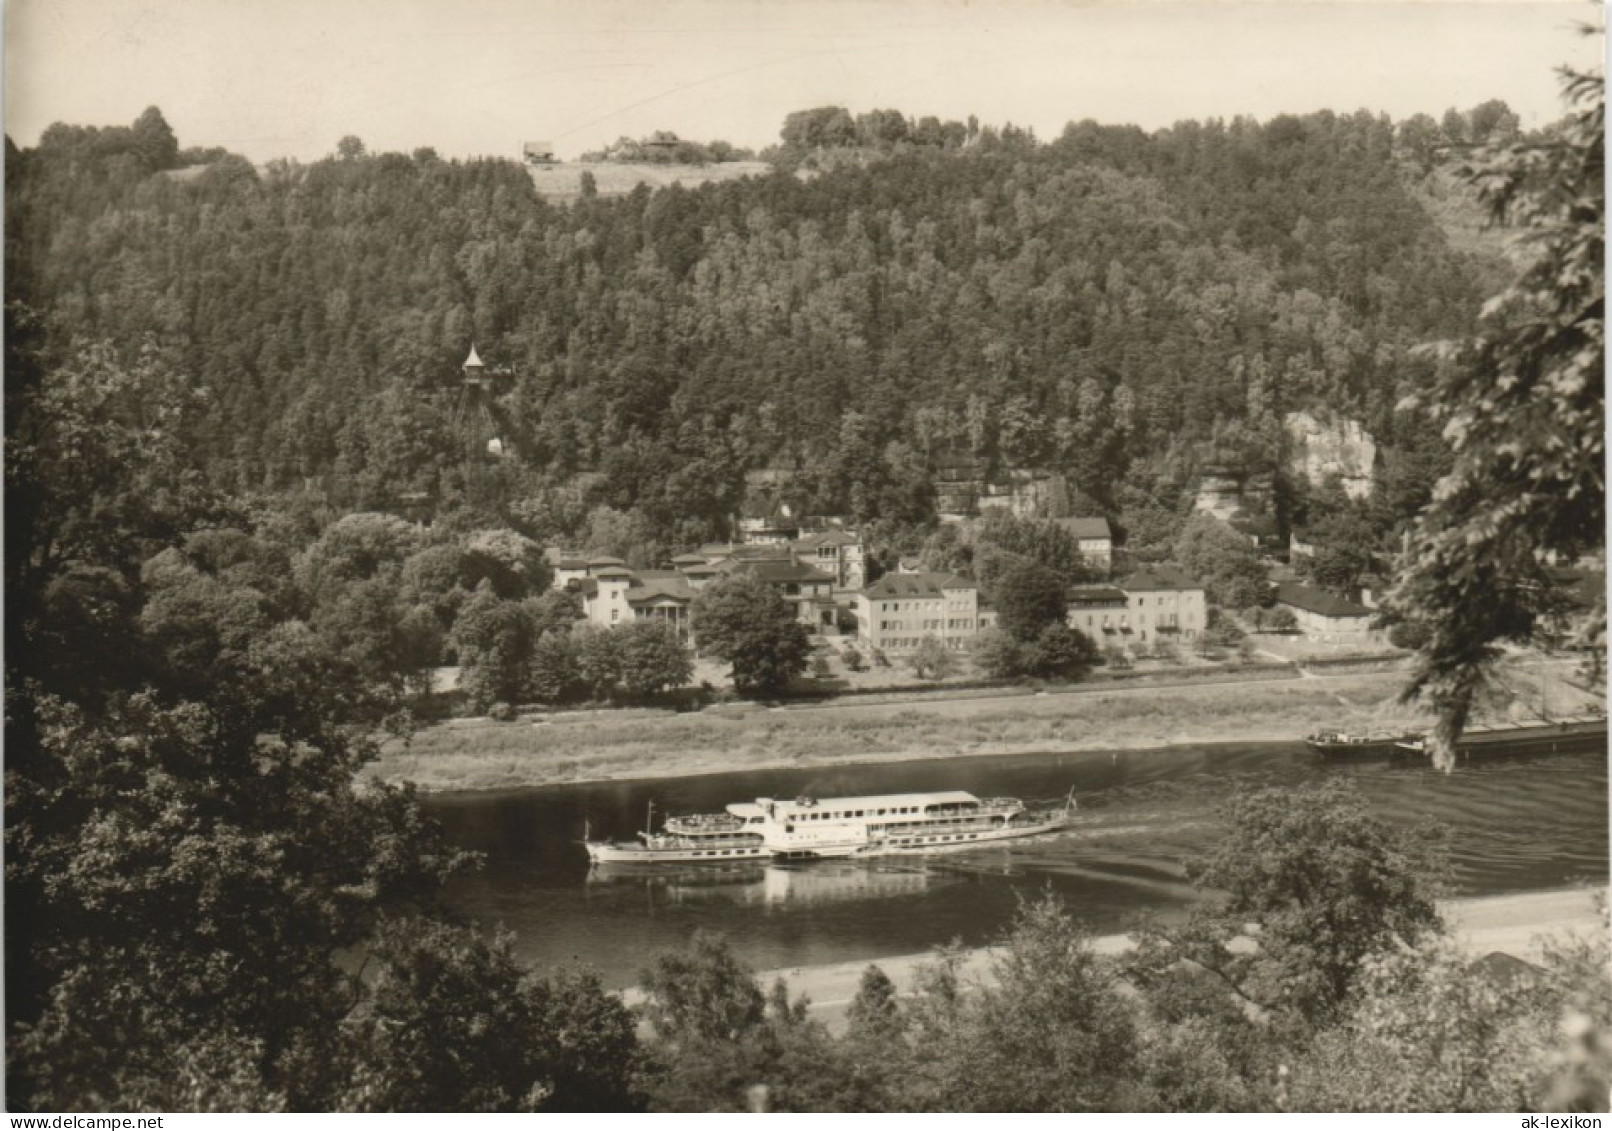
<point x="1115" y="306"/>
<point x="223" y="383"/>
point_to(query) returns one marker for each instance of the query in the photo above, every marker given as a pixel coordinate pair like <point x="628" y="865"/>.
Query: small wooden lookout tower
<point x="473" y="413"/>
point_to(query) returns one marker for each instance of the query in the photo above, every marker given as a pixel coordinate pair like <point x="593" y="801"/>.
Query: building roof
<point x="762" y="553"/>
<point x="689" y="559"/>
<point x="767" y="506"/>
<point x="604" y="560"/>
<point x="1087" y="527"/>
<point x="612" y="572"/>
<point x="1097" y="595"/>
<point x="1318" y="601"/>
<point x="474" y="360"/>
<point x="894" y="585"/>
<point x="701" y="570"/>
<point x="1159" y="578"/>
<point x="783" y="570"/>
<point x="827" y="538"/>
<point x="660" y="589"/>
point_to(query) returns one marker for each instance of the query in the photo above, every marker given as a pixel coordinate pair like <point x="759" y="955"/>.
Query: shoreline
<point x="1516" y="924"/>
<point x="612" y="745"/>
<point x="607" y="746"/>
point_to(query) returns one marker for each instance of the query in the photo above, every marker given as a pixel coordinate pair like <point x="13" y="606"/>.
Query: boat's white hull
<point x="919" y="843"/>
<point x="912" y="824"/>
<point x="605" y="852"/>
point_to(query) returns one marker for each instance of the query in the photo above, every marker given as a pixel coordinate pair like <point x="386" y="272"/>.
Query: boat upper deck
<point x="875" y="805"/>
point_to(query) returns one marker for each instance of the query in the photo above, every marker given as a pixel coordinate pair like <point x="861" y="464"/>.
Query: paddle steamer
<point x="809" y="828"/>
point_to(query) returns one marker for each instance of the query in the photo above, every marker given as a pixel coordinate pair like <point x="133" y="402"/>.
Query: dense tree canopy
<point x="1325" y="884"/>
<point x="1225" y="560"/>
<point x="1113" y="306"/>
<point x="744" y="621"/>
<point x="1523" y="407"/>
<point x="1029" y="598"/>
<point x="233" y="396"/>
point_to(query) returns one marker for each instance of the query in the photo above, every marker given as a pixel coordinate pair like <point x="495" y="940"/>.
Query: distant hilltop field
<point x="564" y="182"/>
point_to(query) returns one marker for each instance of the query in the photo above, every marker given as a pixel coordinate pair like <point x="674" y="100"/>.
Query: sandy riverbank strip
<point x="1515" y="924"/>
<point x="611" y="746"/>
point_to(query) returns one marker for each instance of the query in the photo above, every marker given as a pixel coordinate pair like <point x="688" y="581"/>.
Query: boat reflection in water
<point x="776" y="885"/>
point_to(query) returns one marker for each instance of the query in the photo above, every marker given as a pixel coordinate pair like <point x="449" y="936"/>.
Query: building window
<point x="615" y="615"/>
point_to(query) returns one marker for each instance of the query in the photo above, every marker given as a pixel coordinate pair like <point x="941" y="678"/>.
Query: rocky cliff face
<point x="1319" y="449"/>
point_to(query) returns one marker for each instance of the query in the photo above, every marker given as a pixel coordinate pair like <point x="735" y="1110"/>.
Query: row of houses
<point x="1161" y="603"/>
<point x="768" y="518"/>
<point x="612" y="594"/>
<point x="893" y="615"/>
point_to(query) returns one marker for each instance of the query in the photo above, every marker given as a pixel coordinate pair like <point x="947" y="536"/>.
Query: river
<point x="1515" y="825"/>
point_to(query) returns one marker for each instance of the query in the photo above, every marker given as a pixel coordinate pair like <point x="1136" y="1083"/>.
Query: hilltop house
<point x="538" y="153"/>
<point x="576" y="565"/>
<point x="767" y="518"/>
<point x="895" y="613"/>
<point x="1094" y="538"/>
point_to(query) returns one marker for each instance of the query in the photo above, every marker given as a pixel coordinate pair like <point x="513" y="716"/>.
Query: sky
<point x="288" y="78"/>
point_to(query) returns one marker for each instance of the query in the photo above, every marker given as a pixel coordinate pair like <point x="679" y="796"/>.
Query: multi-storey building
<point x="898" y="611"/>
<point x="808" y="589"/>
<point x="836" y="552"/>
<point x="615" y="595"/>
<point x="1161" y="602"/>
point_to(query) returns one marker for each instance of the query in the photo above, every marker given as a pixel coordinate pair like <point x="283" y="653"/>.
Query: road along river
<point x="1522" y="824"/>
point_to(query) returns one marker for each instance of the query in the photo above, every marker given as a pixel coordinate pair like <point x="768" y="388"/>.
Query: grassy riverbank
<point x="612" y="745"/>
<point x="1515" y="924"/>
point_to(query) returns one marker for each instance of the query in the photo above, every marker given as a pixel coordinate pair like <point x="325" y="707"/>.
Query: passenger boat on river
<point x="697" y="839"/>
<point x="900" y="824"/>
<point x="812" y="828"/>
